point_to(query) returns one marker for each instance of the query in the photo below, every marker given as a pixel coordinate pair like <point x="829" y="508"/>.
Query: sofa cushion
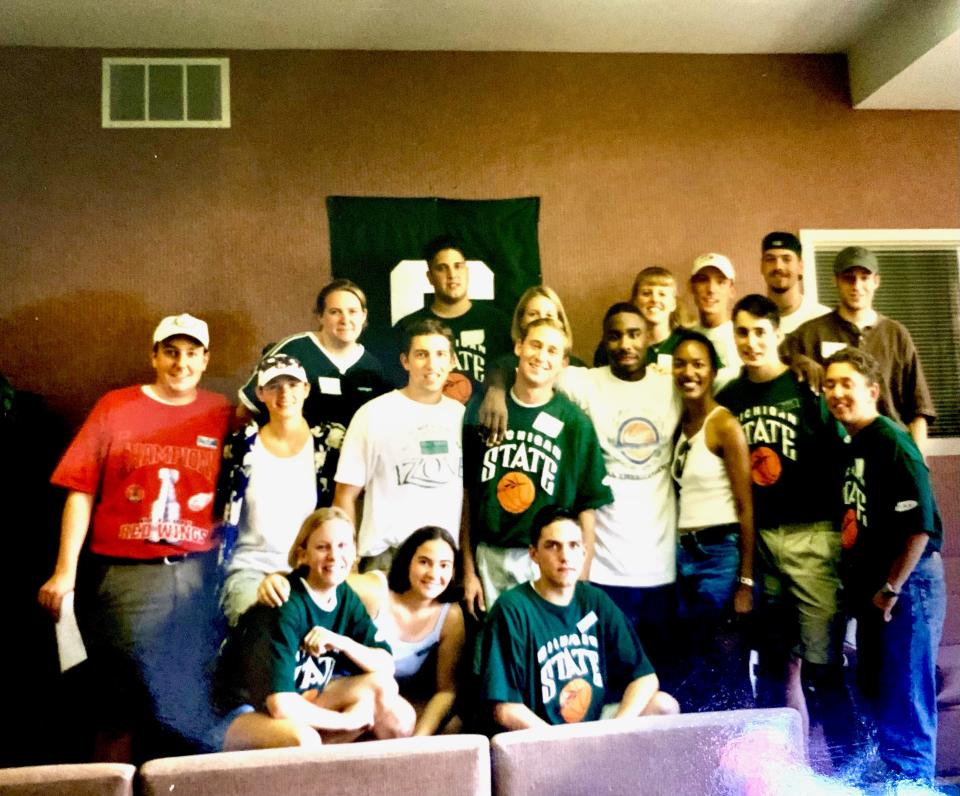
<point x="434" y="766"/>
<point x="76" y="779"/>
<point x="704" y="753"/>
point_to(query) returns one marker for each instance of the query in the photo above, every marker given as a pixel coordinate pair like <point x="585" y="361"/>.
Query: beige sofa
<point x="72" y="779"/>
<point x="704" y="753"/>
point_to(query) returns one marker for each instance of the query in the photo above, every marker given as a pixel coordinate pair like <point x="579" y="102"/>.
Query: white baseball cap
<point x="712" y="260"/>
<point x="279" y="365"/>
<point x="184" y="324"/>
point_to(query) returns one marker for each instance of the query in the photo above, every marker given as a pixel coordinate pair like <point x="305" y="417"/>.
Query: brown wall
<point x="637" y="158"/>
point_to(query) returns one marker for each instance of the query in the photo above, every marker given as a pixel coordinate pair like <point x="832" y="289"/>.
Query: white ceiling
<point x="675" y="26"/>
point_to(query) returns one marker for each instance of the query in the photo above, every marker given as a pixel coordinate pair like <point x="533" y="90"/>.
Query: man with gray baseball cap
<point x="904" y="395"/>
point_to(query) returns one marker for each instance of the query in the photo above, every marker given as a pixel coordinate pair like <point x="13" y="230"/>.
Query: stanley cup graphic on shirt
<point x="165" y="508"/>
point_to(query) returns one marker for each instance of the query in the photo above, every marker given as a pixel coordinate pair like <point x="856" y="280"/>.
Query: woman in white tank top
<point x="412" y="608"/>
<point x="711" y="466"/>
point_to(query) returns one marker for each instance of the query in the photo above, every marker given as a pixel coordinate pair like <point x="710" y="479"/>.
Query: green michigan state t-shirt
<point x="563" y="662"/>
<point x="794" y="449"/>
<point x="549" y="456"/>
<point x="886" y="499"/>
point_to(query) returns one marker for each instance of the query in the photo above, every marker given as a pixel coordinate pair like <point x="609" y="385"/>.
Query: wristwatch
<point x="743" y="580"/>
<point x="888" y="591"/>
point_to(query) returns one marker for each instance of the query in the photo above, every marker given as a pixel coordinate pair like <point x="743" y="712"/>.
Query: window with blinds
<point x="920" y="287"/>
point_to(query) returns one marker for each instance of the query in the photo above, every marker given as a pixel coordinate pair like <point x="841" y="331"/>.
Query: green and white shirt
<point x="550" y="456"/>
<point x="562" y="662"/>
<point x="886" y="498"/>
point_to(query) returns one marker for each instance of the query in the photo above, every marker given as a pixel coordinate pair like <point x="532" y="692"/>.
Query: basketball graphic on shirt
<point x="638" y="439"/>
<point x="848" y="530"/>
<point x="765" y="466"/>
<point x="458" y="387"/>
<point x="575" y="700"/>
<point x="515" y="492"/>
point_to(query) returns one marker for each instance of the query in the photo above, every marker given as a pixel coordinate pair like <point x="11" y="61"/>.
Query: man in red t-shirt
<point x="141" y="475"/>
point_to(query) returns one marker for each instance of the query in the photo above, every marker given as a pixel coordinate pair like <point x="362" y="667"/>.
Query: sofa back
<point x="705" y="753"/>
<point x="75" y="779"/>
<point x="435" y="766"/>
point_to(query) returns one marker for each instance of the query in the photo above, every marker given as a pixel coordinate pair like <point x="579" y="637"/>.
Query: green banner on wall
<point x="376" y="242"/>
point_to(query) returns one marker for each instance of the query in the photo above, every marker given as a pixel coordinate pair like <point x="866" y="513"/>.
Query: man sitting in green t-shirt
<point x="557" y="650"/>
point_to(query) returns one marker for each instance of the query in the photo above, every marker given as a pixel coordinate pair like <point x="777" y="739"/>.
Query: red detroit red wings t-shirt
<point x="153" y="468"/>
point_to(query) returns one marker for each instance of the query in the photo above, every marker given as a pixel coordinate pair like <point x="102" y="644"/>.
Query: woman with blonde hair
<point x="539" y="301"/>
<point x="536" y="302"/>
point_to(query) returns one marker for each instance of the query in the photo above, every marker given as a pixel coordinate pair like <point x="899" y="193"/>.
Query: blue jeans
<point x="707" y="576"/>
<point x="711" y="670"/>
<point x="651" y="612"/>
<point x="896" y="671"/>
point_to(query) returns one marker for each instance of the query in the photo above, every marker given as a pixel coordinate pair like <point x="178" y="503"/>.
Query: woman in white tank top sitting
<point x="711" y="466"/>
<point x="272" y="477"/>
<point x="412" y="608"/>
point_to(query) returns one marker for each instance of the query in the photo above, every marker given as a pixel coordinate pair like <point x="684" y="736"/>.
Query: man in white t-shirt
<point x="781" y="264"/>
<point x="403" y="452"/>
<point x="635" y="410"/>
<point x="712" y="286"/>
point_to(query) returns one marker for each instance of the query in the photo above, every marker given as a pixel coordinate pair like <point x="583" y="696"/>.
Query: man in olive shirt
<point x="904" y="395"/>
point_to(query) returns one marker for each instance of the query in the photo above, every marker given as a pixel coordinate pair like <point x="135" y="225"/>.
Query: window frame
<point x="108" y="123"/>
<point x="943" y="238"/>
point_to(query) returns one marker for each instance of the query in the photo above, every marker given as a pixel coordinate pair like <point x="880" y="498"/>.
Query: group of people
<point x="576" y="541"/>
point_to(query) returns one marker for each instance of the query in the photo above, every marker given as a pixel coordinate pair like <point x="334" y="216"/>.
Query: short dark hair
<point x="333" y="287"/>
<point x="398" y="579"/>
<point x="619" y="307"/>
<point x="865" y="364"/>
<point x="759" y="307"/>
<point x="549" y="515"/>
<point x="423" y="326"/>
<point x="436" y="245"/>
<point x="693" y="336"/>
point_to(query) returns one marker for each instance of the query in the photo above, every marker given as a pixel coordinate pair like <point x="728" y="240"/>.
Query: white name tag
<point x="828" y="348"/>
<point x="548" y="424"/>
<point x="587" y="622"/>
<point x="329" y="385"/>
<point x="471" y="338"/>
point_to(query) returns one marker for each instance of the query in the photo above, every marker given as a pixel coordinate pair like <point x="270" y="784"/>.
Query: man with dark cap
<point x="781" y="264"/>
<point x="904" y="395"/>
